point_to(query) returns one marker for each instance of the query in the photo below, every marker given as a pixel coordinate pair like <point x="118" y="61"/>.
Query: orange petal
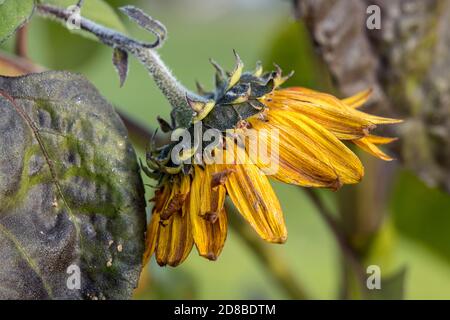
<point x="174" y="242"/>
<point x="208" y="216"/>
<point x="319" y="143"/>
<point x="295" y="164"/>
<point x="325" y="109"/>
<point x="162" y="196"/>
<point x="368" y="144"/>
<point x="151" y="238"/>
<point x="380" y="140"/>
<point x="358" y="99"/>
<point x="253" y="196"/>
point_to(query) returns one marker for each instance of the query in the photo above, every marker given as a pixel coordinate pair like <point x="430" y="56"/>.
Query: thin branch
<point x="347" y="250"/>
<point x="174" y="91"/>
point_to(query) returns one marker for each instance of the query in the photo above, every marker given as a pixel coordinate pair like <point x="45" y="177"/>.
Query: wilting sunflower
<point x="311" y="130"/>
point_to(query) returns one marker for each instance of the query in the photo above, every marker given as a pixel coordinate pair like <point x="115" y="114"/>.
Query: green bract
<point x="236" y="98"/>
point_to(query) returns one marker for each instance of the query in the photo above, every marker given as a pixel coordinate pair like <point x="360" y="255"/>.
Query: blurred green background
<point x="417" y="234"/>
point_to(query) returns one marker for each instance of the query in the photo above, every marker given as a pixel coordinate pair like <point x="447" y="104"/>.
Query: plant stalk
<point x="172" y="89"/>
<point x="349" y="255"/>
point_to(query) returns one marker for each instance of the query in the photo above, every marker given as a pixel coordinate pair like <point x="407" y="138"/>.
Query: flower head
<point x="308" y="128"/>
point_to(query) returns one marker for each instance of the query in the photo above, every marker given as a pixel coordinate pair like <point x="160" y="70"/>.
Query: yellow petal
<point x="319" y="143"/>
<point x="377" y="119"/>
<point x="207" y="107"/>
<point x="151" y="238"/>
<point x="325" y="109"/>
<point x="380" y="140"/>
<point x="177" y="197"/>
<point x="335" y="115"/>
<point x="358" y="99"/>
<point x="161" y="198"/>
<point x="368" y="117"/>
<point x="175" y="240"/>
<point x="253" y="196"/>
<point x="369" y="143"/>
<point x="303" y="90"/>
<point x="213" y="198"/>
<point x="295" y="165"/>
<point x="208" y="217"/>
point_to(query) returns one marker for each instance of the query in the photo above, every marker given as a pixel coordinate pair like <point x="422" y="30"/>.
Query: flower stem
<point x="174" y="91"/>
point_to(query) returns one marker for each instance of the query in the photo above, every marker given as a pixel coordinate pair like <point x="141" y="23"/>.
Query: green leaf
<point x="96" y="10"/>
<point x="13" y="14"/>
<point x="70" y="192"/>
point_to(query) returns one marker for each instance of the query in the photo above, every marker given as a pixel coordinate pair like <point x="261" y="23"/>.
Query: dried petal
<point x="253" y="196"/>
<point x="358" y="99"/>
<point x="208" y="216"/>
<point x="319" y="143"/>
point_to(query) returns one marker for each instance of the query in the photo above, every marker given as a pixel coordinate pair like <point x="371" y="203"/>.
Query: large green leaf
<point x="70" y="191"/>
<point x="13" y="14"/>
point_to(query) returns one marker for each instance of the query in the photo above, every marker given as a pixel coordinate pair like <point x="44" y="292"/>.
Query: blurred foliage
<point x="291" y="49"/>
<point x="14" y="14"/>
<point x="159" y="284"/>
<point x="69" y="50"/>
<point x="422" y="213"/>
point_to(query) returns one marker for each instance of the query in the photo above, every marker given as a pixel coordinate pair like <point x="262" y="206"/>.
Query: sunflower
<point x="312" y="128"/>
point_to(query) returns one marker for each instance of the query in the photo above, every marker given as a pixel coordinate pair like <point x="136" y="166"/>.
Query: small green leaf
<point x="13" y="14"/>
<point x="96" y="10"/>
<point x="71" y="194"/>
<point x="120" y="61"/>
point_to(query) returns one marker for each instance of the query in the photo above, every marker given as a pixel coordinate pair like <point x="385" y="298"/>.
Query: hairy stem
<point x="174" y="91"/>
